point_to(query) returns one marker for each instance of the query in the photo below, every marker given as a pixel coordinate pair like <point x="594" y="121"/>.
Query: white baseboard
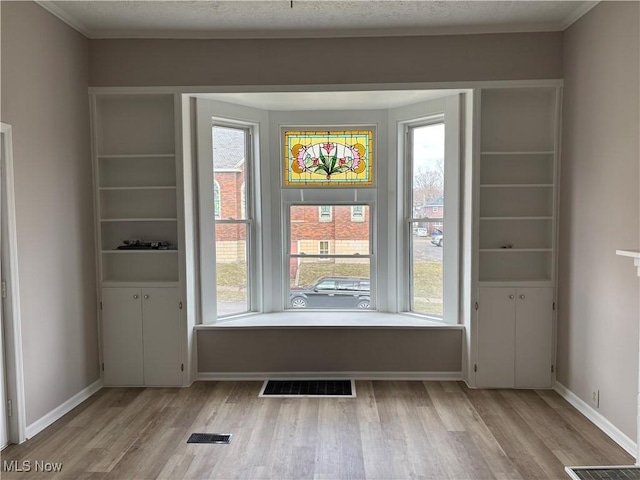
<point x="246" y="376"/>
<point x="597" y="419"/>
<point x="58" y="412"/>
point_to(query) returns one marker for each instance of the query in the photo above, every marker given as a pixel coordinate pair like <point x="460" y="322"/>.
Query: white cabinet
<point x="141" y="332"/>
<point x="514" y="338"/>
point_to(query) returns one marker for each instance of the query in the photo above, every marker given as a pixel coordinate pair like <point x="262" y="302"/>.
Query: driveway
<point x="424" y="250"/>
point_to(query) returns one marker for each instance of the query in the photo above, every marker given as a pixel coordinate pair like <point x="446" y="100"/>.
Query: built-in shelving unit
<point x="137" y="198"/>
<point x="135" y="157"/>
<point x="512" y="329"/>
<point x="517" y="180"/>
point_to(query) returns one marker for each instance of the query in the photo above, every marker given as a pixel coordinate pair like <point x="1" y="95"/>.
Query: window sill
<point x="339" y="319"/>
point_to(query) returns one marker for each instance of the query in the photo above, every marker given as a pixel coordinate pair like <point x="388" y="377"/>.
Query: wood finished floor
<point x="392" y="430"/>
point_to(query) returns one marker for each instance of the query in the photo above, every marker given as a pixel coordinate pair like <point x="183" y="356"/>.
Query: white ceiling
<point x="311" y="18"/>
<point x="353" y="100"/>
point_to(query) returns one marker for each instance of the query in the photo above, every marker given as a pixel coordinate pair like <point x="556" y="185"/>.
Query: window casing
<point x="217" y="200"/>
<point x="428" y="263"/>
<point x="389" y="246"/>
<point x="323" y="247"/>
<point x="325" y="213"/>
<point x="357" y="213"/>
<point x="344" y="262"/>
<point x="228" y="266"/>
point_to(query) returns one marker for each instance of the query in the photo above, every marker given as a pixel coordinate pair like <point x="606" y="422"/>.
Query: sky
<point x="428" y="144"/>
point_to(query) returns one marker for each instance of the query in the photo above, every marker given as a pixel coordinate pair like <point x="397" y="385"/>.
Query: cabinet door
<point x="162" y="337"/>
<point x="496" y="335"/>
<point x="122" y="336"/>
<point x="534" y="337"/>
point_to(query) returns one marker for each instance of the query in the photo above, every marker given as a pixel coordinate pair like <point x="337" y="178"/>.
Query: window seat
<point x="339" y="319"/>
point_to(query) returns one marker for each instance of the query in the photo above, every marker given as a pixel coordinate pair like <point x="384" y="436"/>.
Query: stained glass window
<point x="328" y="158"/>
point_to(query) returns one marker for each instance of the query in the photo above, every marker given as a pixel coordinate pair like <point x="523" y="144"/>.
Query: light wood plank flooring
<point x="392" y="430"/>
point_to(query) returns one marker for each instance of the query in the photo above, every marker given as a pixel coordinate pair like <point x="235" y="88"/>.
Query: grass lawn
<point x="427" y="281"/>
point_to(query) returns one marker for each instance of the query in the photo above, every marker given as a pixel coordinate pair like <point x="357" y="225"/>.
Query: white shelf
<point x="113" y="283"/>
<point x="137" y="155"/>
<point x="517" y="185"/>
<point x="544" y="152"/>
<point x="157" y="187"/>
<point x="138" y="219"/>
<point x="516" y="218"/>
<point x="515" y="250"/>
<point x="142" y="251"/>
<point x="531" y="282"/>
<point x="628" y="253"/>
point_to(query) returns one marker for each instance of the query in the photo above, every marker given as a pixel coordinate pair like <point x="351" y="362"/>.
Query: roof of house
<point x="228" y="148"/>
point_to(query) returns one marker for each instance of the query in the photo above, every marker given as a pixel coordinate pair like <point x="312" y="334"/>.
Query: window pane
<point x="427" y="239"/>
<point x="329" y="282"/>
<point x="342" y="236"/>
<point x="334" y="283"/>
<point x="326" y="158"/>
<point x="229" y="172"/>
<point x="428" y="171"/>
<point x="427" y="271"/>
<point x="231" y="268"/>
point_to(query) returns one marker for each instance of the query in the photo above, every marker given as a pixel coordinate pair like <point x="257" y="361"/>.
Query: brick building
<point x="229" y="192"/>
<point x="433" y="210"/>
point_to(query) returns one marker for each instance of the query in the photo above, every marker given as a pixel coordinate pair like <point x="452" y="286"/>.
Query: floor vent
<point x="308" y="388"/>
<point x="622" y="472"/>
<point x="209" y="438"/>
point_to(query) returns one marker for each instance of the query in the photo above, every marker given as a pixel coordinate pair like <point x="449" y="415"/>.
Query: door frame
<point x="11" y="315"/>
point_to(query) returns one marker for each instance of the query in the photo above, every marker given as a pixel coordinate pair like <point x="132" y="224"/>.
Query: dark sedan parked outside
<point x="334" y="292"/>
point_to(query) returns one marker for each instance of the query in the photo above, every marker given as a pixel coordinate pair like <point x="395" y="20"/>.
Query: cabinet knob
<point x="135" y="297"/>
<point x="146" y="296"/>
<point x="512" y="297"/>
<point x="521" y="297"/>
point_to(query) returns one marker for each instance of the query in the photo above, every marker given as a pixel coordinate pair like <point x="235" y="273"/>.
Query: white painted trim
<point x="56" y="11"/>
<point x="329" y="33"/>
<point x="58" y="412"/>
<point x="206" y="89"/>
<point x="13" y="319"/>
<point x="259" y="376"/>
<point x="597" y="419"/>
<point x="577" y="14"/>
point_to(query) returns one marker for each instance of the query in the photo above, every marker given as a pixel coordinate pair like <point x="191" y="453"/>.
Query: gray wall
<point x="268" y="62"/>
<point x="284" y="62"/>
<point x="44" y="98"/>
<point x="600" y="210"/>
<point x="311" y="349"/>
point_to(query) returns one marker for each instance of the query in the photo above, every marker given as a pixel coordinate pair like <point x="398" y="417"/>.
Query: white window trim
<point x="320" y="242"/>
<point x="208" y="113"/>
<point x="327" y="218"/>
<point x="360" y="216"/>
<point x="216" y="187"/>
<point x="343" y="195"/>
<point x="447" y="109"/>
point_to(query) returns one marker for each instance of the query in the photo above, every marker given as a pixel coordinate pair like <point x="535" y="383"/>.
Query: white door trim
<point x="12" y="319"/>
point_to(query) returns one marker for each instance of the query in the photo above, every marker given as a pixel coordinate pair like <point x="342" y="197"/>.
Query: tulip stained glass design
<point x="328" y="158"/>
